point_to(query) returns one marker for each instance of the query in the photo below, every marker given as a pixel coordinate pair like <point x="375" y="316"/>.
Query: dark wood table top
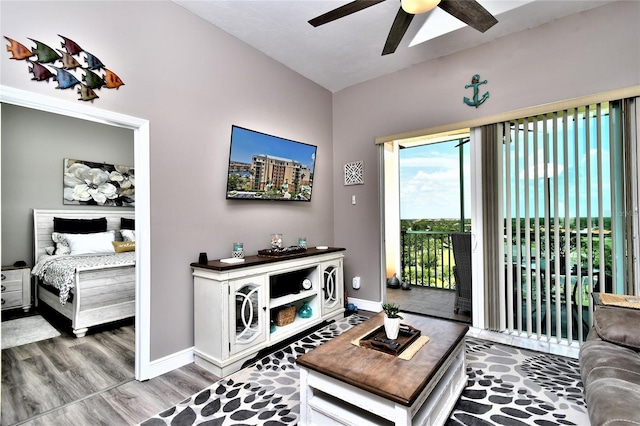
<point x="256" y="260"/>
<point x="383" y="374"/>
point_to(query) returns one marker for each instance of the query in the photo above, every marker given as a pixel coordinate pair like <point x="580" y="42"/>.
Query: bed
<point x="85" y="284"/>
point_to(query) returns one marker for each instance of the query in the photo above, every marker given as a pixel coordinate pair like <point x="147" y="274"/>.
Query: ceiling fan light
<point x="419" y="6"/>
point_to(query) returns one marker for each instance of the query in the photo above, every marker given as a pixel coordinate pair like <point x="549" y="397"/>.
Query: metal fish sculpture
<point x="68" y="61"/>
<point x="93" y="80"/>
<point x="65" y="79"/>
<point x="112" y="80"/>
<point x="93" y="63"/>
<point x="45" y="53"/>
<point x="40" y="72"/>
<point x="86" y="93"/>
<point x="70" y="46"/>
<point x="18" y="50"/>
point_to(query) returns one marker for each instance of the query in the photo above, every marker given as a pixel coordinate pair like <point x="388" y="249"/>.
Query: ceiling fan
<point x="468" y="11"/>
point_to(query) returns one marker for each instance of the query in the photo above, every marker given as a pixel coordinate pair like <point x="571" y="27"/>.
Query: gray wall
<point x="192" y="82"/>
<point x="34" y="144"/>
<point x="587" y="53"/>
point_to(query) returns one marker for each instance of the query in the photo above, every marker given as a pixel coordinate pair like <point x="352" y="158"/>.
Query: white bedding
<point x="59" y="271"/>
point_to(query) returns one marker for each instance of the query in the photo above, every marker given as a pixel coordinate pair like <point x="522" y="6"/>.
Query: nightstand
<point x="16" y="287"/>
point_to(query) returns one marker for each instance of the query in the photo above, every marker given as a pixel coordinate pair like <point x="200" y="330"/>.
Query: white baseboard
<point x="170" y="362"/>
<point x="524" y="342"/>
<point x="366" y="305"/>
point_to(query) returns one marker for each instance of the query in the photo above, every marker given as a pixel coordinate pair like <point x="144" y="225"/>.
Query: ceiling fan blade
<point x="470" y="12"/>
<point x="398" y="29"/>
<point x="342" y="11"/>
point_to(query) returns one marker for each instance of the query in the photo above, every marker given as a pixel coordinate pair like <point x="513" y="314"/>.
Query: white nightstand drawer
<point x="16" y="287"/>
<point x="11" y="299"/>
<point x="11" y="285"/>
<point x="12" y="275"/>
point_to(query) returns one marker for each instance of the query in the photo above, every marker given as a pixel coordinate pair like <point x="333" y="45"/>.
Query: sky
<point x="429" y="181"/>
<point x="572" y="173"/>
<point x="429" y="176"/>
<point x="247" y="143"/>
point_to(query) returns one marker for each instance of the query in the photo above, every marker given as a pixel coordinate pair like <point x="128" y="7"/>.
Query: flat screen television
<point x="266" y="167"/>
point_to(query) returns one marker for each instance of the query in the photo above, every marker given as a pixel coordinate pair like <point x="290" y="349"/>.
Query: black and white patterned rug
<point x="507" y="386"/>
<point x="513" y="386"/>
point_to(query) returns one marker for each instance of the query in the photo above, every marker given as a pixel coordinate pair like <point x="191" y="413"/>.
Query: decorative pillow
<point x="62" y="245"/>
<point x="50" y="250"/>
<point x="96" y="243"/>
<point x="122" y="246"/>
<point x="79" y="226"/>
<point x="126" y="223"/>
<point x="618" y="325"/>
<point x="128" y="235"/>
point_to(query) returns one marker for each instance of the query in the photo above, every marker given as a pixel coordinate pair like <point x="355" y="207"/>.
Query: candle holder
<point x="238" y="250"/>
<point x="276" y="241"/>
<point x="302" y="242"/>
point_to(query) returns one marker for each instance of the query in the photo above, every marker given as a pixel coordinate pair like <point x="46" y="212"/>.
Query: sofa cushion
<point x="613" y="402"/>
<point x="619" y="326"/>
<point x="611" y="378"/>
<point x="602" y="360"/>
<point x="610" y="367"/>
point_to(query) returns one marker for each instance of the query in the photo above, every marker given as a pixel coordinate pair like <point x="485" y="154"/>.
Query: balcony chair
<point x="462" y="271"/>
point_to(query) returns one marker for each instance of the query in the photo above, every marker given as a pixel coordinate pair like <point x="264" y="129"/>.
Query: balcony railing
<point x="427" y="259"/>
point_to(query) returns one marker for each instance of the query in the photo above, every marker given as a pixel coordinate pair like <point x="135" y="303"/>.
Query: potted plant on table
<point x="391" y="320"/>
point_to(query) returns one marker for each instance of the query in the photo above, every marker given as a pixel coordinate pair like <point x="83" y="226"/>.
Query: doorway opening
<point x="427" y="199"/>
<point x="140" y="128"/>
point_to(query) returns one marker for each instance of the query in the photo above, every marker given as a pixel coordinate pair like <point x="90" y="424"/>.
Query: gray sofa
<point x="610" y="367"/>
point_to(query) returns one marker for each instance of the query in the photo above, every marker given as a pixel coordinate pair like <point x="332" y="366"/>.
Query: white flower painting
<point x="90" y="183"/>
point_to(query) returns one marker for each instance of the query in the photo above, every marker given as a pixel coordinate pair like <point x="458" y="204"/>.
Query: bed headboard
<point x="43" y="223"/>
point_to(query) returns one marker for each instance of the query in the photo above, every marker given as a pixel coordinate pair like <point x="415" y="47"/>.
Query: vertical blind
<point x="565" y="177"/>
<point x="491" y="225"/>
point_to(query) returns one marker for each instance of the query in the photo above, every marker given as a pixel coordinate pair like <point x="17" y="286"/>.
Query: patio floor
<point x="428" y="301"/>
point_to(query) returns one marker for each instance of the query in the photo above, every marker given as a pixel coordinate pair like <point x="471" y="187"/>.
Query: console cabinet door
<point x="247" y="313"/>
<point x="332" y="286"/>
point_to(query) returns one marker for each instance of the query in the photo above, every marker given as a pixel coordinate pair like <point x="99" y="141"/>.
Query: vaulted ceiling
<point x="348" y="51"/>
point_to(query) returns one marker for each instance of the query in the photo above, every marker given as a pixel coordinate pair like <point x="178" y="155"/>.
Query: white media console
<point x="235" y="303"/>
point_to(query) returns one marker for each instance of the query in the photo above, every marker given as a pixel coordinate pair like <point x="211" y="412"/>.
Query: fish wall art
<point x="65" y="66"/>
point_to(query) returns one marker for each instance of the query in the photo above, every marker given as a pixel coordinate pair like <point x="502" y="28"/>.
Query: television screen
<point x="266" y="167"/>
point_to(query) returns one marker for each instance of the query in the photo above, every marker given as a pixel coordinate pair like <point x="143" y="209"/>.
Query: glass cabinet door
<point x="332" y="286"/>
<point x="247" y="311"/>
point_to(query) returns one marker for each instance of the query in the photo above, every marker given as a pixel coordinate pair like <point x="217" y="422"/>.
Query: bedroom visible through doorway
<point x="141" y="136"/>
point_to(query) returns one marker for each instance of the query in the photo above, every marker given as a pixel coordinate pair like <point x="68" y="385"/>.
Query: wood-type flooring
<point x="88" y="381"/>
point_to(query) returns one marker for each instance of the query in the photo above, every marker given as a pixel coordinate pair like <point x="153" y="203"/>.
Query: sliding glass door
<point x="555" y="212"/>
<point x="565" y="225"/>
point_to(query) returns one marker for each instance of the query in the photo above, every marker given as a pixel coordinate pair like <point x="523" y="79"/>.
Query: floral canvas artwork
<point x="98" y="184"/>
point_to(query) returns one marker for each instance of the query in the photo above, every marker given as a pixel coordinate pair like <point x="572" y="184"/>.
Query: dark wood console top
<point x="216" y="265"/>
<point x="383" y="374"/>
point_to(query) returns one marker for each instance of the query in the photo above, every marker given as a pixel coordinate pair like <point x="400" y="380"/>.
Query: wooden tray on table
<point x="377" y="340"/>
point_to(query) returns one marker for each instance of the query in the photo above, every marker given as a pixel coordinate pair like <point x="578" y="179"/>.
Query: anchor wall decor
<point x="475" y="82"/>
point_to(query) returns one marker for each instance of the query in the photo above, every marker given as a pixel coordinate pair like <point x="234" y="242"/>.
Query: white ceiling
<point x="348" y="51"/>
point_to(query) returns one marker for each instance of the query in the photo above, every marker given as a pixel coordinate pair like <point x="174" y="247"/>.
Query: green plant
<point x="391" y="310"/>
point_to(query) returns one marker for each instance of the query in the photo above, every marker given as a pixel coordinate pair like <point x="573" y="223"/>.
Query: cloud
<point x="425" y="194"/>
<point x="429" y="182"/>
